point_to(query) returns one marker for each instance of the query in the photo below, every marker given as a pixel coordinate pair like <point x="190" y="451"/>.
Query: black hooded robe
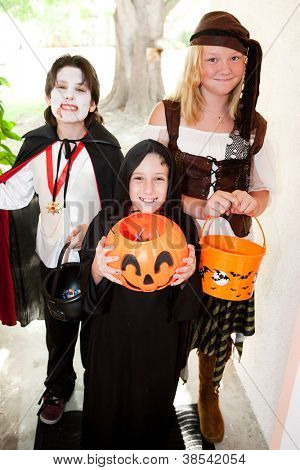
<point x="139" y="343"/>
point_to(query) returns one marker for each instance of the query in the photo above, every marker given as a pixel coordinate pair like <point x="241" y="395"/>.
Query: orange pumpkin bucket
<point x="150" y="247"/>
<point x="229" y="265"/>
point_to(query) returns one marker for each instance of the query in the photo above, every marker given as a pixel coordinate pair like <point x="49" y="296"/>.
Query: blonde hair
<point x="188" y="92"/>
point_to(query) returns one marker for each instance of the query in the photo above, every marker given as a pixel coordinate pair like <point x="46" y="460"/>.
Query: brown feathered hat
<point x="219" y="28"/>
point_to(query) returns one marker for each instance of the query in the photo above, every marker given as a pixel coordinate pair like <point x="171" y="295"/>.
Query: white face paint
<point x="70" y="99"/>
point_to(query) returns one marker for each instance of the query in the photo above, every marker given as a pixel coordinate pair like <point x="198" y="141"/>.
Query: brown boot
<point x="211" y="420"/>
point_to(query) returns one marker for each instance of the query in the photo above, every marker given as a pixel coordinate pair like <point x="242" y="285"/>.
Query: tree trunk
<point x="118" y="96"/>
<point x="138" y="83"/>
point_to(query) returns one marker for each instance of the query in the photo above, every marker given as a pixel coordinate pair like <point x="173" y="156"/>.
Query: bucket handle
<point x="59" y="263"/>
<point x="209" y="219"/>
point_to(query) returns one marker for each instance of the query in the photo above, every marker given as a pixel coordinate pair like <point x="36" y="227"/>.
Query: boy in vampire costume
<point x="64" y="172"/>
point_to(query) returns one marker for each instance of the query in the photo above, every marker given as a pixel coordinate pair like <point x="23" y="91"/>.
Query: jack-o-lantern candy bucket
<point x="229" y="265"/>
<point x="151" y="247"/>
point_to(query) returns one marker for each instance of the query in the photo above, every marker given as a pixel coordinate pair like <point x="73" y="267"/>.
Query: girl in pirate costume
<point x="139" y="341"/>
<point x="71" y="164"/>
<point x="216" y="136"/>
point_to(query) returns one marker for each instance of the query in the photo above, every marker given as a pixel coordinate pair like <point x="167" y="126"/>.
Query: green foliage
<point x="53" y="20"/>
<point x="25" y="9"/>
<point x="6" y="155"/>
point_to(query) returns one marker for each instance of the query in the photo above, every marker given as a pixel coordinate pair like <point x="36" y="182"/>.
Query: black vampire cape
<point x="139" y="342"/>
<point x="20" y="290"/>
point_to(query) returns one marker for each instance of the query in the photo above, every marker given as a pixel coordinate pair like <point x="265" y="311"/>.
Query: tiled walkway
<point x="22" y="369"/>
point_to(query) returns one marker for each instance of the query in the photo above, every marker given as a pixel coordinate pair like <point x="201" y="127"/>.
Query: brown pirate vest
<point x="231" y="173"/>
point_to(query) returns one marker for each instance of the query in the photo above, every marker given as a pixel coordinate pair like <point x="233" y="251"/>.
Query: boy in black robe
<point x="139" y="341"/>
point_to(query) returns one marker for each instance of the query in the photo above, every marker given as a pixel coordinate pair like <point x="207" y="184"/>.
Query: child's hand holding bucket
<point x="183" y="273"/>
<point x="220" y="203"/>
<point x="246" y="203"/>
<point x="100" y="266"/>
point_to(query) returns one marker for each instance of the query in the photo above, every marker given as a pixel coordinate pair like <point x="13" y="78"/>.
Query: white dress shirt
<point x="82" y="201"/>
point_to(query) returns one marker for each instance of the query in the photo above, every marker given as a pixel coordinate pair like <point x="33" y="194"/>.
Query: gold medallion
<point x="53" y="207"/>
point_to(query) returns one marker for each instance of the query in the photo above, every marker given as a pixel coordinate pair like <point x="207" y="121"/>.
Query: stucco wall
<point x="276" y="25"/>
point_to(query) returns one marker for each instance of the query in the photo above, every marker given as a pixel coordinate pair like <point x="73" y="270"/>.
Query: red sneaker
<point x="52" y="408"/>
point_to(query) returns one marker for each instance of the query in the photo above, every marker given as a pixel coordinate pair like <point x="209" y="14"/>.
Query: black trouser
<point x="61" y="339"/>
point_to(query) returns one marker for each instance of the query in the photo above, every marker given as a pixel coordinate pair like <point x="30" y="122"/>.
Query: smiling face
<point x="222" y="70"/>
<point x="148" y="184"/>
<point x="70" y="99"/>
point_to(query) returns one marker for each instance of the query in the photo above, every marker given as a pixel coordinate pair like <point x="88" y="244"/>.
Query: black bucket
<point x="63" y="277"/>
